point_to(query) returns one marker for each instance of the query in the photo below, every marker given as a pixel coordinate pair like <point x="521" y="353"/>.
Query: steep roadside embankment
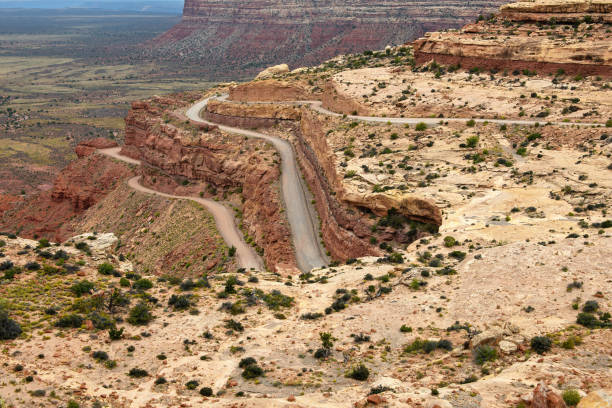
<point x="223" y="216"/>
<point x="345" y="226"/>
<point x="187" y="160"/>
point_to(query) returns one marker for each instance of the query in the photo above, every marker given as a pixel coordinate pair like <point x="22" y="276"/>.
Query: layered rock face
<point x="561" y="11"/>
<point x="224" y="166"/>
<point x="576" y="40"/>
<point x="346" y="227"/>
<point x="234" y="36"/>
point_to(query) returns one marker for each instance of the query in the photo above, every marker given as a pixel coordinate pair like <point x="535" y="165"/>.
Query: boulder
<point x="414" y="208"/>
<point x="489" y="337"/>
<point x="274" y="70"/>
<point x="507" y="347"/>
<point x="597" y="399"/>
<point x="544" y="397"/>
<point x="375" y="399"/>
<point x="438" y="403"/>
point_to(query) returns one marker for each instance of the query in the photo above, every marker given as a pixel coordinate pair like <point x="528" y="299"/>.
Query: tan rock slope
<point x="468" y="221"/>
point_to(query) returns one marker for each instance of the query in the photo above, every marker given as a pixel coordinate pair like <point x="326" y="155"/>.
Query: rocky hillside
<point x="233" y="37"/>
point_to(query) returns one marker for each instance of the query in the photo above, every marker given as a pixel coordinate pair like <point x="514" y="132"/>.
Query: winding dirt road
<point x="224" y="217"/>
<point x="302" y="219"/>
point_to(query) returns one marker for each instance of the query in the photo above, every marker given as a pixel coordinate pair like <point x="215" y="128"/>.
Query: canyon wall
<point x="237" y="37"/>
<point x="183" y="159"/>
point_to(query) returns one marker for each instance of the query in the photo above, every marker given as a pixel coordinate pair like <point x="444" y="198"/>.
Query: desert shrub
<point x="379" y="389"/>
<point x="275" y="300"/>
<point x="73" y="320"/>
<point x="458" y="255"/>
<point x="6" y="265"/>
<point x="100" y="355"/>
<point x="72" y="404"/>
<point x="327" y="342"/>
<point x="124" y="282"/>
<point x="140" y="315"/>
<point x="180" y="302"/>
<point x="311" y="316"/>
<point x="192" y="385"/>
<point x="590" y="306"/>
<point x="541" y="344"/>
<point x="81" y="288"/>
<point x="132" y="276"/>
<point x="160" y="381"/>
<point x="445" y="345"/>
<point x="234" y="325"/>
<point x="405" y="329"/>
<point x="447" y="270"/>
<point x="359" y="372"/>
<point x="142" y="284"/>
<point x="138" y="373"/>
<point x="429" y="346"/>
<point x="587" y="320"/>
<point x="252" y="371"/>
<point x="32" y="266"/>
<point x="449" y="241"/>
<point x="187" y="285"/>
<point x="421" y="126"/>
<point x="115" y="334"/>
<point x="206" y="391"/>
<point x="100" y="321"/>
<point x="246" y="362"/>
<point x="61" y="254"/>
<point x="571" y="397"/>
<point x="482" y="354"/>
<point x="105" y="269"/>
<point x="44" y="243"/>
<point x="360" y="338"/>
<point x="9" y="328"/>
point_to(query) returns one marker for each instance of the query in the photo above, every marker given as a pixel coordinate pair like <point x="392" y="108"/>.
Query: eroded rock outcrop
<point x="90" y="146"/>
<point x="189" y="161"/>
<point x="269" y="90"/>
<point x="560" y="11"/>
<point x="79" y="186"/>
<point x="248" y="115"/>
<point x="513" y="41"/>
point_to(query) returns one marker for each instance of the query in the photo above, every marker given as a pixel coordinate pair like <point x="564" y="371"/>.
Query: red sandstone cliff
<point x="237" y="36"/>
<point x="187" y="160"/>
<point x="78" y="187"/>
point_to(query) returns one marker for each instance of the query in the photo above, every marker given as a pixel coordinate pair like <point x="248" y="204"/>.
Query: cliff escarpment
<point x="347" y="217"/>
<point x="542" y="36"/>
<point x="187" y="160"/>
<point x="235" y="37"/>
